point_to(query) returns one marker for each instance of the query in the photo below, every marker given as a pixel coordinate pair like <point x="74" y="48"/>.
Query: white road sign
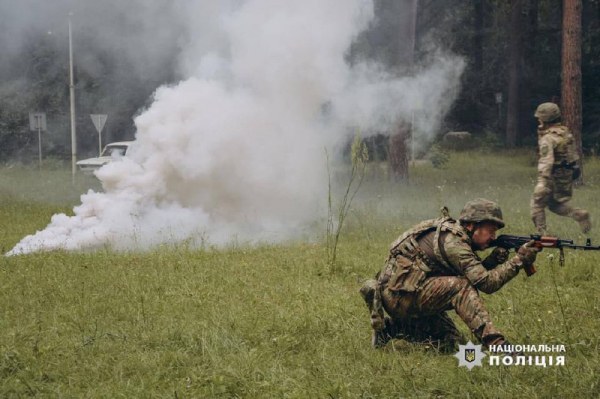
<point x="37" y="121"/>
<point x="99" y="120"/>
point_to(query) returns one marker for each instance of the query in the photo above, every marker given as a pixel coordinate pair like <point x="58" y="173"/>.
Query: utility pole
<point x="72" y="97"/>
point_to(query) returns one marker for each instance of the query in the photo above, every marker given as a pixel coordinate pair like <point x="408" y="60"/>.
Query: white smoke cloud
<point x="237" y="150"/>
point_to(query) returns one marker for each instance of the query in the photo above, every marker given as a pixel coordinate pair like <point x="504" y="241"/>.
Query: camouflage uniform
<point x="556" y="167"/>
<point x="432" y="268"/>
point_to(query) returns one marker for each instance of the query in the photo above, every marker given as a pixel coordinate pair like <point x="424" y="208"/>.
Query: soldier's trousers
<point x="421" y="315"/>
<point x="555" y="195"/>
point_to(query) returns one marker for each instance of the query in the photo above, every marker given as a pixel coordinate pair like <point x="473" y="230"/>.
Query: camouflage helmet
<point x="547" y="112"/>
<point x="482" y="210"/>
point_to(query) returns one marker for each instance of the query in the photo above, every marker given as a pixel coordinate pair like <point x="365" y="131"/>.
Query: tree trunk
<point x="514" y="70"/>
<point x="399" y="151"/>
<point x="527" y="123"/>
<point x="478" y="90"/>
<point x="571" y="72"/>
<point x="478" y="36"/>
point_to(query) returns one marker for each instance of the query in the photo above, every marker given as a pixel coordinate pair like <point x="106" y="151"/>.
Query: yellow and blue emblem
<point x="470" y="355"/>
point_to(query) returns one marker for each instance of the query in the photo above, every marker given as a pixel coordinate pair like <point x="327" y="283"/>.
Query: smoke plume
<point x="236" y="150"/>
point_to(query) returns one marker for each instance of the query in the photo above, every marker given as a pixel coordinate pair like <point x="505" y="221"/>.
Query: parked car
<point x="110" y="152"/>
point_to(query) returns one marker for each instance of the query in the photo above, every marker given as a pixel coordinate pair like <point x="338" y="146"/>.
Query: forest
<point x="512" y="50"/>
<point x="283" y="151"/>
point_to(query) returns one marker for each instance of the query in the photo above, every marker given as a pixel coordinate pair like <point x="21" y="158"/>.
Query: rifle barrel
<point x="584" y="247"/>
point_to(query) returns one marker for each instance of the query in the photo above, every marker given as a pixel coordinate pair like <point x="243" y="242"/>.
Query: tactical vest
<point x="407" y="246"/>
<point x="565" y="153"/>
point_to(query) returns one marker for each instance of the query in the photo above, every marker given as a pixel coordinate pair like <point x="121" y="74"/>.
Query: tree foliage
<point x="35" y="78"/>
<point x="461" y="26"/>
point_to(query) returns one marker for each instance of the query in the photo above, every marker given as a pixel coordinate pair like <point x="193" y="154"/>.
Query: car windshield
<point x="116" y="150"/>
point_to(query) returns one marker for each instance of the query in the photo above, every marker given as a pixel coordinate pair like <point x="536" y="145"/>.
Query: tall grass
<point x="335" y="219"/>
<point x="267" y="322"/>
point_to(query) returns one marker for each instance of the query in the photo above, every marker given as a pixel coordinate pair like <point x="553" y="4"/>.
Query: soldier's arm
<point x="500" y="275"/>
<point x="469" y="264"/>
<point x="546" y="161"/>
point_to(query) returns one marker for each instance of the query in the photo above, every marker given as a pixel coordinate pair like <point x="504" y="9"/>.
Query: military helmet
<point x="547" y="112"/>
<point x="482" y="210"/>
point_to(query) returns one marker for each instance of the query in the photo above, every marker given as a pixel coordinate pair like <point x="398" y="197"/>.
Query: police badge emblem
<point x="470" y="355"/>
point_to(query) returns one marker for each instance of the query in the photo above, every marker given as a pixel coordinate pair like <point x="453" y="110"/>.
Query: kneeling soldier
<point x="433" y="268"/>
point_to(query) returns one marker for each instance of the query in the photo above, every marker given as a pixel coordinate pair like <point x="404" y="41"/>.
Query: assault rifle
<point x="508" y="242"/>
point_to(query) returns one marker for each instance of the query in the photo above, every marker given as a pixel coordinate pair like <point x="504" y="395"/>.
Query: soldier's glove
<point x="576" y="172"/>
<point x="498" y="256"/>
<point x="527" y="253"/>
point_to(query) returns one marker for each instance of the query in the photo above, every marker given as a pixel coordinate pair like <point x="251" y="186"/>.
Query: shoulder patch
<point x="544" y="150"/>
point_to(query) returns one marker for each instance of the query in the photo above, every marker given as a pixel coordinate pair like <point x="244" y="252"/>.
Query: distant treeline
<point x="36" y="78"/>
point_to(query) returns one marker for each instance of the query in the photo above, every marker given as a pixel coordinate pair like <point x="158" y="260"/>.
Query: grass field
<point x="273" y="321"/>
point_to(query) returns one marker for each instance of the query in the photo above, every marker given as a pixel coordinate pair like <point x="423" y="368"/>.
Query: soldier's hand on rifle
<point x="528" y="252"/>
<point x="498" y="256"/>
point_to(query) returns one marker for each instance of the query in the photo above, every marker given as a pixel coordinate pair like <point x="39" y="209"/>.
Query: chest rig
<point x="408" y="247"/>
<point x="565" y="152"/>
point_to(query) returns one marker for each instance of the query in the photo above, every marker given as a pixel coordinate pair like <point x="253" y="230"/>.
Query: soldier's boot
<point x="381" y="337"/>
<point x="583" y="218"/>
<point x="488" y="334"/>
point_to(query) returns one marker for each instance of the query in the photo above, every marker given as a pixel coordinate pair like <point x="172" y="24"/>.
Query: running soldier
<point x="557" y="169"/>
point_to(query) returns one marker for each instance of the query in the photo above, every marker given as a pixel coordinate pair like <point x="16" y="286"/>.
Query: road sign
<point x="99" y="120"/>
<point x="37" y="121"/>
